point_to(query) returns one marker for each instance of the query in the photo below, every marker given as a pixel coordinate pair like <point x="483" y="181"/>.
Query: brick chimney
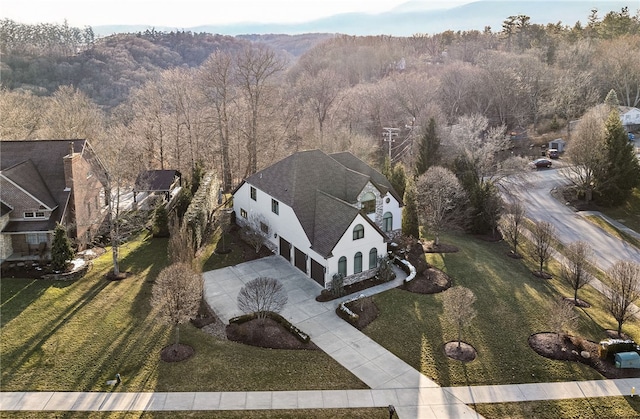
<point x="68" y="166"/>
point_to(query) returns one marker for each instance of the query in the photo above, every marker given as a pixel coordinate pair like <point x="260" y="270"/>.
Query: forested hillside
<point x="173" y="100"/>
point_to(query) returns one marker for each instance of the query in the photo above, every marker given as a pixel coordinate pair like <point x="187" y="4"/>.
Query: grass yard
<point x="76" y="336"/>
<point x="595" y="408"/>
<point x="627" y="213"/>
<point x="511" y="305"/>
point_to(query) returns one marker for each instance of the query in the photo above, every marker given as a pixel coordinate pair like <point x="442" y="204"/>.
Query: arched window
<point x="369" y="203"/>
<point x="357" y="263"/>
<point x="387" y="222"/>
<point x="342" y="266"/>
<point x="373" y="258"/>
<point x="358" y="232"/>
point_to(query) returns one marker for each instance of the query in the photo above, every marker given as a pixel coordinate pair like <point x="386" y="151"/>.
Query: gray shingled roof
<point x="156" y="180"/>
<point x="321" y="190"/>
<point x="46" y="157"/>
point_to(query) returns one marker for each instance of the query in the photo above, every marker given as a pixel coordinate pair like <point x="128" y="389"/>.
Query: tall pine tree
<point x="429" y="149"/>
<point x="622" y="169"/>
<point x="410" y="223"/>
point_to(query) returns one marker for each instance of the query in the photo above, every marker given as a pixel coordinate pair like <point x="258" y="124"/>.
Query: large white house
<point x="326" y="214"/>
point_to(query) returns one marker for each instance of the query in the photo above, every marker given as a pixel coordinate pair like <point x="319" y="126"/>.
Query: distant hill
<point x="414" y="17"/>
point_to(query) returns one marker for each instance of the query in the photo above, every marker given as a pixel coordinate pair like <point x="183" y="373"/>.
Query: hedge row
<point x="201" y="207"/>
<point x="299" y="334"/>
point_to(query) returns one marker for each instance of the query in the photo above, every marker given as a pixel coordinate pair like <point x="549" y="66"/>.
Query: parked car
<point x="631" y="136"/>
<point x="538" y="163"/>
<point x="552" y="153"/>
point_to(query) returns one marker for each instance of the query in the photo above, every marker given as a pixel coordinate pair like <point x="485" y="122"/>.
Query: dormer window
<point x="29" y="214"/>
<point x="358" y="232"/>
<point x="369" y="203"/>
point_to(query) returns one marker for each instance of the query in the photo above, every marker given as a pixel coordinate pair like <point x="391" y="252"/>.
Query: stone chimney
<point x="68" y="167"/>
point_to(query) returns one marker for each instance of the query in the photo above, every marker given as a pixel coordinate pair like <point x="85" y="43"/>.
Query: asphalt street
<point x="534" y="192"/>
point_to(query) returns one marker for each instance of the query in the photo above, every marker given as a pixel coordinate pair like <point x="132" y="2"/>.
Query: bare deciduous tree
<point x="510" y="224"/>
<point x="562" y="316"/>
<point x="543" y="233"/>
<point x="440" y="199"/>
<point x="574" y="272"/>
<point x="624" y="279"/>
<point x="457" y="303"/>
<point x="181" y="248"/>
<point x="256" y="231"/>
<point x="586" y="151"/>
<point x="261" y="296"/>
<point x="177" y="293"/>
<point x="256" y="66"/>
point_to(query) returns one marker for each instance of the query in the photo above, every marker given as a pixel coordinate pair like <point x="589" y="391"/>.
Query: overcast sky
<point x="189" y="13"/>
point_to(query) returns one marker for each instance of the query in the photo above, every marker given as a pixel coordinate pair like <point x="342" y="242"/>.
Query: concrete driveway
<point x="221" y="288"/>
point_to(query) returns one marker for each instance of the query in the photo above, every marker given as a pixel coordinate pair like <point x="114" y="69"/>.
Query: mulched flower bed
<point x="430" y="281"/>
<point x="366" y="310"/>
<point x="176" y="352"/>
<point x="266" y="333"/>
<point x="460" y="351"/>
<point x="563" y="347"/>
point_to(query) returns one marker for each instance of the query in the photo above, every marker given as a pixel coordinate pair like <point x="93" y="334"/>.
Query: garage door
<point x="317" y="272"/>
<point x="300" y="260"/>
<point x="285" y="249"/>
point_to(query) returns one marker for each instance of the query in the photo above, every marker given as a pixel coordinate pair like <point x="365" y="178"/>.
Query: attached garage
<point x="285" y="249"/>
<point x="300" y="260"/>
<point x="317" y="272"/>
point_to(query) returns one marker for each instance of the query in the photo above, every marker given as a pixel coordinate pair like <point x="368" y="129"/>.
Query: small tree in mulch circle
<point x="61" y="250"/>
<point x="177" y="293"/>
<point x="624" y="291"/>
<point x="458" y="308"/>
<point x="261" y="296"/>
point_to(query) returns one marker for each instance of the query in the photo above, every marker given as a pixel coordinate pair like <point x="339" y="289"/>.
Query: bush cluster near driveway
<point x="76" y="336"/>
<point x="511" y="304"/>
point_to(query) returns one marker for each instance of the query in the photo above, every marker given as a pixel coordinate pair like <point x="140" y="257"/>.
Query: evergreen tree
<point x="622" y="170"/>
<point x="410" y="223"/>
<point x="161" y="222"/>
<point x="398" y="178"/>
<point x="612" y="99"/>
<point x="429" y="149"/>
<point x="61" y="250"/>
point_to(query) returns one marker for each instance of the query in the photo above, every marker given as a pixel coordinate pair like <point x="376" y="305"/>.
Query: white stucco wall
<point x="348" y="247"/>
<point x="631" y="117"/>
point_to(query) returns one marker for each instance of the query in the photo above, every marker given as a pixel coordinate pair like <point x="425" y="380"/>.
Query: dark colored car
<point x="536" y="164"/>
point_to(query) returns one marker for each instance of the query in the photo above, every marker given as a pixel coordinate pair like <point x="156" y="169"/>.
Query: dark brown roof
<point x="156" y="180"/>
<point x="321" y="190"/>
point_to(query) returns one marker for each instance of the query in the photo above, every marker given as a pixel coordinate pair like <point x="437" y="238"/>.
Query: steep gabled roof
<point x="378" y="179"/>
<point x="39" y="167"/>
<point x="321" y="191"/>
<point x="27" y="177"/>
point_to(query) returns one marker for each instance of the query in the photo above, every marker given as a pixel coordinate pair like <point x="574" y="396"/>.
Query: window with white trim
<point x="358" y="232"/>
<point x="36" y="238"/>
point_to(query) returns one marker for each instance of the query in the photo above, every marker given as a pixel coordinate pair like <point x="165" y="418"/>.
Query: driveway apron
<point x="366" y="359"/>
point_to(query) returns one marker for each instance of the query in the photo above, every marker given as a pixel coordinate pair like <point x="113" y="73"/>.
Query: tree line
<point x="174" y="100"/>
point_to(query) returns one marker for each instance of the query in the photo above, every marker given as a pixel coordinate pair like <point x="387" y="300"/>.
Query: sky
<point x="190" y="13"/>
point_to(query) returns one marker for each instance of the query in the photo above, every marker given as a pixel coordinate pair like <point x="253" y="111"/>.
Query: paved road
<point x="534" y="191"/>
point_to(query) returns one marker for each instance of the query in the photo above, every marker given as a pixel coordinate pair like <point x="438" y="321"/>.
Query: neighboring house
<point x="157" y="182"/>
<point x="43" y="182"/>
<point x="557" y="144"/>
<point x="326" y="214"/>
<point x="630" y="118"/>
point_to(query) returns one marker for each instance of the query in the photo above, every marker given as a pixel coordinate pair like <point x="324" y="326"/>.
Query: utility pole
<point x="390" y="134"/>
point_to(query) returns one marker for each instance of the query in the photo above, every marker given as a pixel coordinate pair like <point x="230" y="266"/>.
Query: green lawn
<point x="627" y="213"/>
<point x="511" y="305"/>
<point x="595" y="408"/>
<point x="76" y="336"/>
